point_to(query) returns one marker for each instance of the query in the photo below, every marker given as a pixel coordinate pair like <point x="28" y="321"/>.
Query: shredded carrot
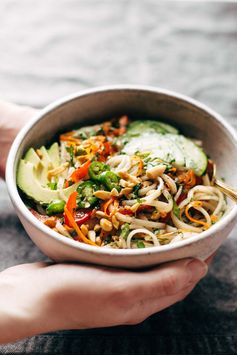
<point x="139" y="167"/>
<point x="104" y="151"/>
<point x="163" y="214"/>
<point x="119" y="131"/>
<point x="108" y="149"/>
<point x="126" y="211"/>
<point x="77" y="228"/>
<point x="106" y="127"/>
<point x="106" y="206"/>
<point x="173" y="169"/>
<point x="66" y="184"/>
<point x="123" y="121"/>
<point x="69" y="138"/>
<point x="188" y="178"/>
<point x="195" y="204"/>
<point x="70" y="205"/>
<point x="214" y="218"/>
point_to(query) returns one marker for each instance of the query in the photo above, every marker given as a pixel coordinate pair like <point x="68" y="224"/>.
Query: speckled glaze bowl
<point x="87" y="107"/>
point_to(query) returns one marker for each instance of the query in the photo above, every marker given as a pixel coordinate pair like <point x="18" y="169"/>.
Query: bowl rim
<point x="23" y="210"/>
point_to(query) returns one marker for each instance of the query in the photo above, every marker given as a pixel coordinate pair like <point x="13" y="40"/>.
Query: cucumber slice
<point x="168" y="128"/>
<point x="158" y="145"/>
<point x="195" y="158"/>
<point x="139" y="127"/>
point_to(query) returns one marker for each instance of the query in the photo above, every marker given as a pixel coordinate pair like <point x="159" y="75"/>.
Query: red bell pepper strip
<point x="80" y="173"/>
<point x="82" y="216"/>
<point x="80" y="235"/>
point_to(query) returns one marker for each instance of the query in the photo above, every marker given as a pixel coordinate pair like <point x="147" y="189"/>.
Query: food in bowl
<point x="122" y="184"/>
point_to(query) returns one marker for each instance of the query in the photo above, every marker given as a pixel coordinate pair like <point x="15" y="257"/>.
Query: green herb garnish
<point x="52" y="185"/>
<point x="140" y="244"/>
<point x="125" y="229"/>
<point x="70" y="150"/>
<point x="176" y="210"/>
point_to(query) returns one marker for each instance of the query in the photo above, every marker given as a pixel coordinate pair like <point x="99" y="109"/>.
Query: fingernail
<point x="197" y="269"/>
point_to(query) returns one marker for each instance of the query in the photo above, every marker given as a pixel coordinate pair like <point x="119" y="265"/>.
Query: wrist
<point x="26" y="307"/>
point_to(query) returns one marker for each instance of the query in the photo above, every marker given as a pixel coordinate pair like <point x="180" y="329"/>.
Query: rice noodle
<point x="138" y="189"/>
<point x="120" y="163"/>
<point x="143" y="191"/>
<point x="143" y="231"/>
<point x="62" y="230"/>
<point x="148" y="199"/>
<point x="181" y="225"/>
<point x="206" y="180"/>
<point x="205" y="214"/>
<point x="141" y="222"/>
<point x="178" y="193"/>
<point x="163" y="206"/>
<point x="182" y="236"/>
<point x="170" y="182"/>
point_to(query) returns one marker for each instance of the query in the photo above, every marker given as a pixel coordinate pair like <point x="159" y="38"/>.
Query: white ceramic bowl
<point x="90" y="106"/>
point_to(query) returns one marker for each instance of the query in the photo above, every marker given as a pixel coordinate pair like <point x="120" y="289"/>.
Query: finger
<point x="209" y="260"/>
<point x="170" y="278"/>
<point x="155" y="305"/>
<point x="170" y="300"/>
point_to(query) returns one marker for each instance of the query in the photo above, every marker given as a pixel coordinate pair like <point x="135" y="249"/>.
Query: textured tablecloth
<point x="52" y="48"/>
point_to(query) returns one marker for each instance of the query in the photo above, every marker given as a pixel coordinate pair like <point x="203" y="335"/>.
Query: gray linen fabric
<point x="49" y="49"/>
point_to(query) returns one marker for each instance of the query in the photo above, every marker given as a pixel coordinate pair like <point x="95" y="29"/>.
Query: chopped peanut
<point x="114" y="192"/>
<point x="100" y="214"/>
<point x="125" y="191"/>
<point x="57" y="170"/>
<point x="84" y="229"/>
<point x="38" y="152"/>
<point x="135" y="207"/>
<point x="106" y="225"/>
<point x="156" y="171"/>
<point x="97" y="228"/>
<point x="91" y="235"/>
<point x="98" y="241"/>
<point x="155" y="215"/>
<point x="103" y="195"/>
<point x="50" y="222"/>
<point x="115" y="222"/>
<point x="129" y="177"/>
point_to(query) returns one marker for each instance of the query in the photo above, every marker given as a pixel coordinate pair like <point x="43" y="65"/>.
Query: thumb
<point x="170" y="278"/>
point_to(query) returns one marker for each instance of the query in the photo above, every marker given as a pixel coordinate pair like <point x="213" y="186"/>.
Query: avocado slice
<point x="28" y="181"/>
<point x="33" y="158"/>
<point x="50" y="159"/>
<point x="46" y="161"/>
<point x="53" y="153"/>
<point x="41" y="165"/>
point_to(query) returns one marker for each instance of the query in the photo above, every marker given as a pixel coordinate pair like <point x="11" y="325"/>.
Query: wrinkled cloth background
<point x="49" y="49"/>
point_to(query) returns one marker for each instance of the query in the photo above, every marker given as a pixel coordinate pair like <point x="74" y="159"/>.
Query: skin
<point x="42" y="297"/>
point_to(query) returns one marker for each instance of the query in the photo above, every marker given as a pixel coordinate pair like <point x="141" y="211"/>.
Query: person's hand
<point x="12" y="119"/>
<point x="41" y="297"/>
